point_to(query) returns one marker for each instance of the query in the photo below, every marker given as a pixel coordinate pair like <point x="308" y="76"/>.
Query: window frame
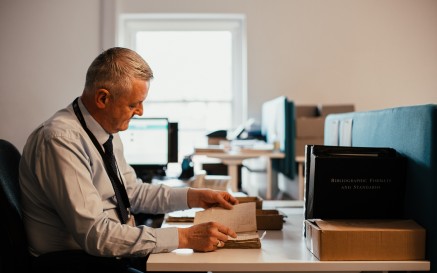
<point x="130" y="23"/>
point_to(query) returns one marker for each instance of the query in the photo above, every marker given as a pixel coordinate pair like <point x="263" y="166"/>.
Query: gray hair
<point x="115" y="69"/>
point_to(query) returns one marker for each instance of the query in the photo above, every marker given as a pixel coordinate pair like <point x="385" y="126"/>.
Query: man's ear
<point x="102" y="98"/>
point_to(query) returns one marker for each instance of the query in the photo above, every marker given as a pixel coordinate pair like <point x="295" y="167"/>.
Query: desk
<point x="233" y="159"/>
<point x="283" y="250"/>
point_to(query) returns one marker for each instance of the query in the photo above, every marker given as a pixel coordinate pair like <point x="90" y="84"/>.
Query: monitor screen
<point x="277" y="125"/>
<point x="146" y="142"/>
<point x="274" y="121"/>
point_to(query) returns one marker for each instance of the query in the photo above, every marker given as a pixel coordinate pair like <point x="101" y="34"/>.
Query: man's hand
<point x="204" y="237"/>
<point x="206" y="198"/>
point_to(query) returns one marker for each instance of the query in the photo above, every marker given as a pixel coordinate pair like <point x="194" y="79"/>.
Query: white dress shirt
<point x="68" y="200"/>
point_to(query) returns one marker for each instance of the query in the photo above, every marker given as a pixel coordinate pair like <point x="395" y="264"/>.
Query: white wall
<point x="372" y="53"/>
<point x="45" y="49"/>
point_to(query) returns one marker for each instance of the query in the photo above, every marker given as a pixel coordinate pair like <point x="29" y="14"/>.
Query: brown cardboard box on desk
<point x="258" y="200"/>
<point x="365" y="240"/>
<point x="265" y="219"/>
<point x="269" y="219"/>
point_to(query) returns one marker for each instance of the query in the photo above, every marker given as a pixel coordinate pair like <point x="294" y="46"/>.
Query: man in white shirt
<point x="69" y="203"/>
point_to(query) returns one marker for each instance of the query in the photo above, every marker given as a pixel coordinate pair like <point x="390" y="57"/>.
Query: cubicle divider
<point x="278" y="128"/>
<point x="412" y="131"/>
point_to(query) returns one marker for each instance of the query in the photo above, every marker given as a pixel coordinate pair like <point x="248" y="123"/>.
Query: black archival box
<point x="353" y="182"/>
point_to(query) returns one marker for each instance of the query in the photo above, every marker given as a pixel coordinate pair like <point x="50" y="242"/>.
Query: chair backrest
<point x="14" y="255"/>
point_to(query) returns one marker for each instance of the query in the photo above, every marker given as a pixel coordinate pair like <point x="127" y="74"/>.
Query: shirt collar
<point x="95" y="128"/>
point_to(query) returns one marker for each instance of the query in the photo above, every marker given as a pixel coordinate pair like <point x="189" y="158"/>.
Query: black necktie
<point x="119" y="189"/>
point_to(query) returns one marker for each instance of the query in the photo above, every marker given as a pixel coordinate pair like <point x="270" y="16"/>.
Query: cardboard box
<point x="269" y="219"/>
<point x="306" y="111"/>
<point x="310" y="127"/>
<point x="325" y="110"/>
<point x="365" y="240"/>
<point x="257" y="199"/>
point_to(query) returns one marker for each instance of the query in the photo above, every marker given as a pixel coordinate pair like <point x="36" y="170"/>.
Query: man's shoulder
<point x="63" y="127"/>
<point x="62" y="124"/>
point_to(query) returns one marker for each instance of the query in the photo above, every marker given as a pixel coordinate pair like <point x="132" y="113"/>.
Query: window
<point x="199" y="66"/>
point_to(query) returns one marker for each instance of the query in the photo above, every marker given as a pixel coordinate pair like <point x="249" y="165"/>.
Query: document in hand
<point x="241" y="218"/>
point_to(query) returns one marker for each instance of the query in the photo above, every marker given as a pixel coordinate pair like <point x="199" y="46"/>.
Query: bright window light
<point x="198" y="71"/>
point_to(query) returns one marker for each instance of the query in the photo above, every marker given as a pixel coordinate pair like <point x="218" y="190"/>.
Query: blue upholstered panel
<point x="412" y="131"/>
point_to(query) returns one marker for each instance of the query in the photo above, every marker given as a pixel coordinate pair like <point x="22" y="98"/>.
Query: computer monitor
<point x="277" y="125"/>
<point x="146" y="145"/>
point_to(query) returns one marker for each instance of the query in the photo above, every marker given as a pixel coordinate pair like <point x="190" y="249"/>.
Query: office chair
<point x="14" y="256"/>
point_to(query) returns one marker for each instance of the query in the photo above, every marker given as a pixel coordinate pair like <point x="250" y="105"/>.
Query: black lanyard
<point x="114" y="177"/>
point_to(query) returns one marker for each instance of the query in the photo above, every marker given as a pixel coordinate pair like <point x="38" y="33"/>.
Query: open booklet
<point x="241" y="219"/>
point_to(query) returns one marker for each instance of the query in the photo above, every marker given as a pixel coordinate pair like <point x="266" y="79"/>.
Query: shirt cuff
<point x="179" y="198"/>
<point x="167" y="239"/>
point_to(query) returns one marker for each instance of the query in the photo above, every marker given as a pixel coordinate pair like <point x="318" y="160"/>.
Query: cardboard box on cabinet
<point x="306" y="111"/>
<point x="325" y="110"/>
<point x="310" y="127"/>
<point x="310" y="123"/>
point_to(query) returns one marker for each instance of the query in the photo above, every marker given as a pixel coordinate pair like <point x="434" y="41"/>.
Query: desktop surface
<point x="281" y="250"/>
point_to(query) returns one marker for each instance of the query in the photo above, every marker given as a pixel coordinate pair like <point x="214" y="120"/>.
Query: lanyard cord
<point x="116" y="182"/>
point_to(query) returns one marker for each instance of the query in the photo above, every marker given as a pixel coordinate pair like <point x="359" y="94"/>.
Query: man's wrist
<point x="191" y="198"/>
<point x="183" y="242"/>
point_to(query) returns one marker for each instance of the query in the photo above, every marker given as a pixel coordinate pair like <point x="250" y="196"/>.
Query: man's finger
<point x="224" y="202"/>
<point x="227" y="231"/>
